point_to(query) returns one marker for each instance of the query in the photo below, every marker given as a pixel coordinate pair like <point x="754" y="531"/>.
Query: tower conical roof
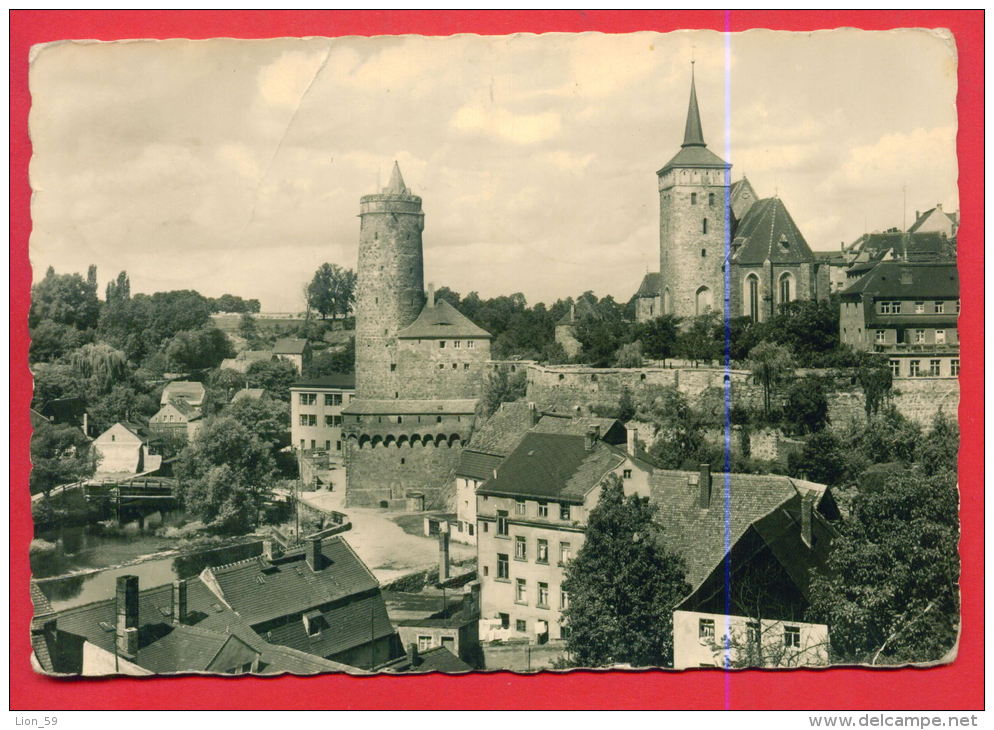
<point x="396" y="185"/>
<point x="693" y="136"/>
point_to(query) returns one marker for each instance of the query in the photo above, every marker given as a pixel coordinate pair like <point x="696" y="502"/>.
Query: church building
<point x="715" y="234"/>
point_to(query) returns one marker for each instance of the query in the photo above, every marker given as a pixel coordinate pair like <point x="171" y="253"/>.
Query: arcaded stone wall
<point x="689" y="257"/>
<point x="386" y="473"/>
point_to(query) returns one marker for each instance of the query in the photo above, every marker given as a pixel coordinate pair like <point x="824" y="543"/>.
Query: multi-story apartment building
<point x="531" y="517"/>
<point x="908" y="312"/>
<point x="316" y="412"/>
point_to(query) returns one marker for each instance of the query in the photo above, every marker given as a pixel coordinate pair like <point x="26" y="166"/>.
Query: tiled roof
<point x="400" y="406"/>
<point x="767" y="232"/>
<point x="39" y="600"/>
<point x="332" y="380"/>
<point x="184" y="648"/>
<point x="477" y="465"/>
<point x="650" y="286"/>
<point x="342" y="627"/>
<point x="909" y="246"/>
<point x="953" y="218"/>
<point x="255" y="355"/>
<point x="694" y="157"/>
<point x="260" y="592"/>
<point x="907" y="280"/>
<point x="289" y="346"/>
<point x="502" y="431"/>
<point x="439" y="659"/>
<point x="611" y="430"/>
<point x="181" y="404"/>
<point x="699" y="535"/>
<point x="189" y="389"/>
<point x="441" y="320"/>
<point x="546" y="465"/>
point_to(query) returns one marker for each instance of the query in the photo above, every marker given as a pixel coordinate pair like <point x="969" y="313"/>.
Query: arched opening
<point x="702" y="301"/>
<point x="416" y="440"/>
<point x="363" y="441"/>
<point x="440" y="440"/>
<point x="389" y="440"/>
<point x="786" y="288"/>
<point x="750" y="297"/>
<point x="376" y="441"/>
<point x="454" y="440"/>
<point x="402" y="441"/>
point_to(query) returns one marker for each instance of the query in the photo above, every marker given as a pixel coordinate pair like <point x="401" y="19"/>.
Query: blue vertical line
<point x="728" y="357"/>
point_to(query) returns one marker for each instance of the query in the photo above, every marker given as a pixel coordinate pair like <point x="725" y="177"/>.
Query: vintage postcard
<point x="411" y="354"/>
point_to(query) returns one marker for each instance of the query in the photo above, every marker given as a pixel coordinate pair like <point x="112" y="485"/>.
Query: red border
<point x="957" y="686"/>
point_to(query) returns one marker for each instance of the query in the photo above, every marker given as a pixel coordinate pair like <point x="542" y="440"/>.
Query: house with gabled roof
<point x="123" y="450"/>
<point x="188" y="390"/>
<point x="293" y="350"/>
<point x="936" y="220"/>
<point x="177" y="417"/>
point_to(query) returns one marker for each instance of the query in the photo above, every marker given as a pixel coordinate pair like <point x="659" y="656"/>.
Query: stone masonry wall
<point x="386" y="473"/>
<point x="430" y="372"/>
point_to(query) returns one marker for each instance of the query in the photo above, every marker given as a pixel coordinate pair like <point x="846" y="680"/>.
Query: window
<point x="786" y="288"/>
<point x="895" y="368"/>
<point x="335" y="399"/>
<point x="890" y="307"/>
<point x="705" y="629"/>
<point x="465" y="366"/>
<point x="456" y="344"/>
<point x="880" y="337"/>
<point x="441" y="344"/>
<point x="502" y="522"/>
<point x="543" y="595"/>
<point x="627" y="473"/>
<point x="919" y="337"/>
<point x="520" y="591"/>
<point x="704" y="253"/>
<point x="393" y="367"/>
<point x="543" y="509"/>
<point x="308" y="419"/>
<point x="915" y="368"/>
<point x="954" y="367"/>
<point x="502" y="567"/>
<point x="520" y="548"/>
<point x="505" y="620"/>
<point x="471" y="344"/>
<point x="792" y="636"/>
<point x="940" y="337"/>
<point x="542" y="552"/>
<point x="752" y="632"/>
<point x="308" y="399"/>
<point x="919" y="307"/>
<point x="519" y="507"/>
<point x="332" y="420"/>
<point x="563" y="600"/>
<point x="940" y="307"/>
<point x="470" y="526"/>
<point x="521" y="626"/>
<point x="704" y="226"/>
<point x="564" y="553"/>
<point x="564" y="511"/>
<point x="424" y="643"/>
<point x="957" y="306"/>
<point x="711" y="199"/>
<point x="933" y="368"/>
<point x="338" y="446"/>
<point x="693" y="198"/>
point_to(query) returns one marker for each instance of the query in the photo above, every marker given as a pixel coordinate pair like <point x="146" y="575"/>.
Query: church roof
<point x="396" y="185"/>
<point x="440" y="319"/>
<point x="768" y="233"/>
<point x="694" y="151"/>
<point x="741" y="196"/>
<point x="650" y="285"/>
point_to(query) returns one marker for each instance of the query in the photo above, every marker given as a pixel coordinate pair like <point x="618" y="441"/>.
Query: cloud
<point x="495" y="121"/>
<point x="283" y="82"/>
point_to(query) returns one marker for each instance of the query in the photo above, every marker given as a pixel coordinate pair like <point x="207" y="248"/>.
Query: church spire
<point x="692" y="135"/>
<point x="396" y="185"/>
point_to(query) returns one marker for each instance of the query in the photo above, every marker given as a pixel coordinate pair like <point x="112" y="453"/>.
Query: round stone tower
<point x="390" y="286"/>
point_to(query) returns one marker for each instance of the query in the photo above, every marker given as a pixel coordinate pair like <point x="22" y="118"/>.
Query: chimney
<point x="127" y="615"/>
<point x="313" y="553"/>
<point x="431" y="296"/>
<point x="271" y="550"/>
<point x="412" y="655"/>
<point x="471" y="600"/>
<point x="704" y="487"/>
<point x="938" y="207"/>
<point x="918" y="214"/>
<point x="179" y="602"/>
<point x="533" y="413"/>
<point x="807" y="507"/>
<point x="633" y="441"/>
<point x="590" y="437"/>
<point x="443" y="553"/>
<point x="86" y="423"/>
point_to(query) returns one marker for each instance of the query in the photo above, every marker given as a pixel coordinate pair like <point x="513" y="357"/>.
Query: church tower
<point x="390" y="286"/>
<point x="693" y="223"/>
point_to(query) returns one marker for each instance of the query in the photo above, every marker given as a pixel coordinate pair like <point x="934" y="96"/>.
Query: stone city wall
<point x="383" y="475"/>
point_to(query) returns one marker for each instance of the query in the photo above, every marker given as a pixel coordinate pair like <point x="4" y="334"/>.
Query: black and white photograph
<point x="539" y="352"/>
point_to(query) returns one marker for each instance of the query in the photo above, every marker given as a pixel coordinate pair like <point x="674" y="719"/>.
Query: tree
<point x="626" y="406"/>
<point x="224" y="475"/>
<point x="60" y="454"/>
<point x="658" y="336"/>
<point x="122" y="403"/>
<point x="939" y="450"/>
<point x="199" y="349"/>
<point x="807" y="405"/>
<point x="697" y="343"/>
<point x="265" y="418"/>
<point x="629" y="355"/>
<point x="331" y="361"/>
<point x="51" y="340"/>
<point x="501" y="386"/>
<point x="876" y="380"/>
<point x="890" y="593"/>
<point x="100" y="364"/>
<point x="247" y="328"/>
<point x="599" y="341"/>
<point x="221" y="385"/>
<point x="118" y="290"/>
<point x="679" y="437"/>
<point x="769" y="363"/>
<point x="274" y="377"/>
<point x="332" y="291"/>
<point x="820" y="460"/>
<point x="66" y="299"/>
<point x="622" y="586"/>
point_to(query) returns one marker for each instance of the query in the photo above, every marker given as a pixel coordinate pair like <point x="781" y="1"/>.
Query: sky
<point x="236" y="167"/>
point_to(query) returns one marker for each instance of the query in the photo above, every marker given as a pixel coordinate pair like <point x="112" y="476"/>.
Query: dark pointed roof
<point x="694" y="151"/>
<point x="650" y="286"/>
<point x="440" y="319"/>
<point x="396" y="185"/>
<point x="768" y="233"/>
<point x="693" y="136"/>
<point x="741" y="197"/>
